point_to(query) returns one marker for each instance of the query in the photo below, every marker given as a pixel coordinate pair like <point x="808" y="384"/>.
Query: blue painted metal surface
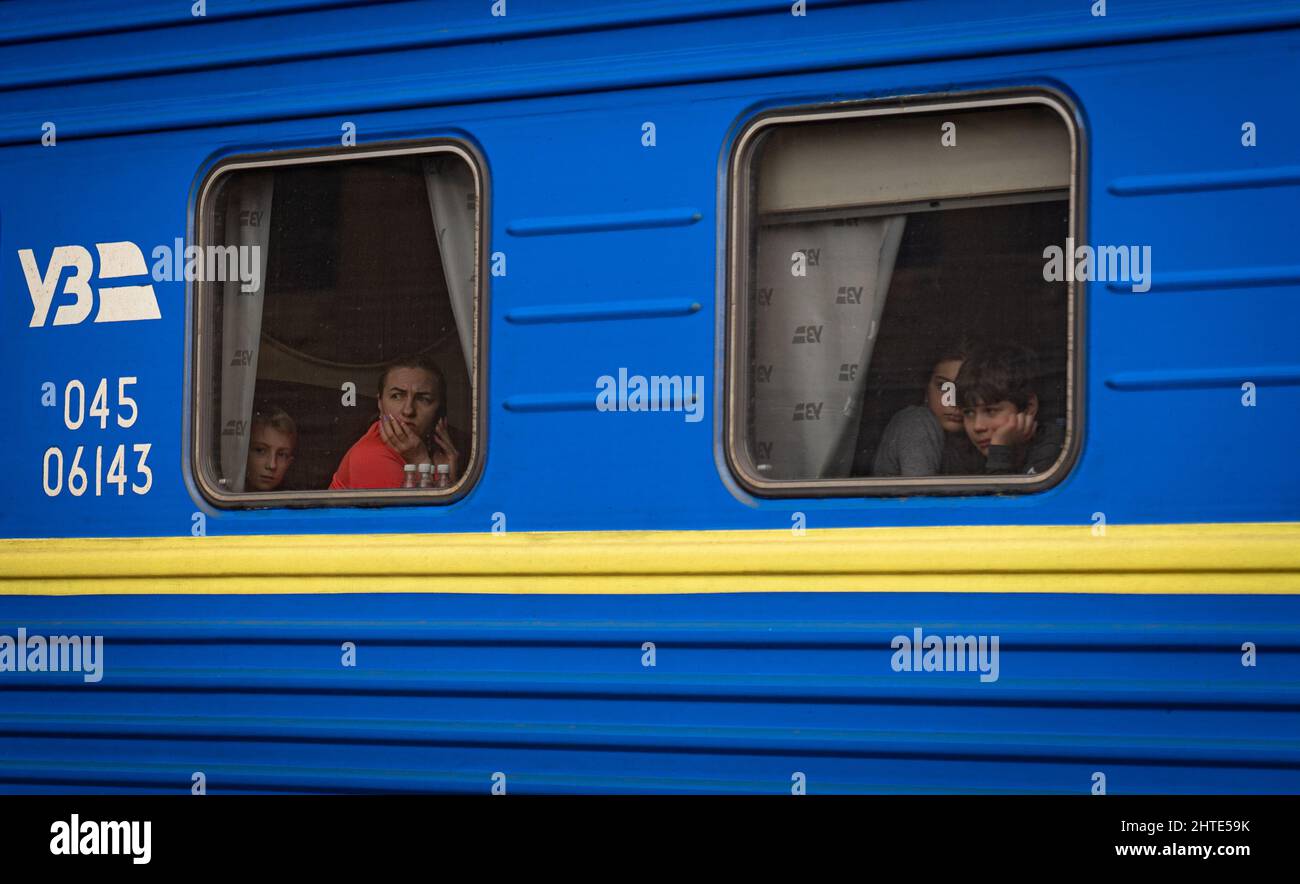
<point x="610" y="249"/>
<point x="747" y="689"/>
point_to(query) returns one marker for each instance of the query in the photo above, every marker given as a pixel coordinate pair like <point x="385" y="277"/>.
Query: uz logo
<point x="813" y="255"/>
<point x="765" y="297"/>
<point x="242" y="357"/>
<point x="764" y="450"/>
<point x="249" y="218"/>
<point x="808" y="334"/>
<point x="808" y="411"/>
<point x="123" y="303"/>
<point x="234" y="428"/>
<point x="849" y="294"/>
<point x="763" y="373"/>
<point x="848" y="371"/>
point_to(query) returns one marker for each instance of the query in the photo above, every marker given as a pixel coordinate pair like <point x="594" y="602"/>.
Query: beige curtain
<point x="813" y="337"/>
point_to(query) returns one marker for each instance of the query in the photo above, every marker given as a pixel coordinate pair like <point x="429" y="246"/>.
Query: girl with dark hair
<point x="930" y="438"/>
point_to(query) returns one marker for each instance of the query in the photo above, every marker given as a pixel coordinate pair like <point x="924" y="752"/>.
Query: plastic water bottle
<point x="444" y="476"/>
<point x="408" y="476"/>
<point x="426" y="475"/>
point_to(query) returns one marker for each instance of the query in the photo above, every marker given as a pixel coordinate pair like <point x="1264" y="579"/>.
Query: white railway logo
<point x="123" y="303"/>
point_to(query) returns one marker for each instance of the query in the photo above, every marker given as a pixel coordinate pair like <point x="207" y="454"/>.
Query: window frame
<point x="204" y="337"/>
<point x="739" y="220"/>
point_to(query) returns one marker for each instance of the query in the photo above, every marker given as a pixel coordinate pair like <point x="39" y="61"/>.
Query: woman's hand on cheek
<point x="406" y="443"/>
<point x="442" y="438"/>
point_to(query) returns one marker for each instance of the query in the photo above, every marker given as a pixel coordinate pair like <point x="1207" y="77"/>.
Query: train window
<point x="337" y="334"/>
<point x="892" y="327"/>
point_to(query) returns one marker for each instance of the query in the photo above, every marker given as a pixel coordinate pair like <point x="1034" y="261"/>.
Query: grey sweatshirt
<point x="911" y="446"/>
<point x="914" y="444"/>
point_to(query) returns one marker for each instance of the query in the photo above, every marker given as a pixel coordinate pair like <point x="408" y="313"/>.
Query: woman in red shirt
<point x="412" y="428"/>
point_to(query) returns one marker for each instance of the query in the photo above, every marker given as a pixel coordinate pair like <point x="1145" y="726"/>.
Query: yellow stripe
<point x="1214" y="558"/>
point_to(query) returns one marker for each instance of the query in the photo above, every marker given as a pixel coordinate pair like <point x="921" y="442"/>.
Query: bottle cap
<point x="444" y="468"/>
<point x="425" y="467"/>
<point x="409" y="468"/>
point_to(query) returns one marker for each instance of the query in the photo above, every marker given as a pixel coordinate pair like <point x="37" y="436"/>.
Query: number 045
<point x="74" y="406"/>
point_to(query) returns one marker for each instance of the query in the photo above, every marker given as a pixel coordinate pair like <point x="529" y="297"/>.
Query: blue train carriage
<point x="676" y="292"/>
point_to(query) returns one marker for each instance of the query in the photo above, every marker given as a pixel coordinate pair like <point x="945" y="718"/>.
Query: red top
<point x="370" y="463"/>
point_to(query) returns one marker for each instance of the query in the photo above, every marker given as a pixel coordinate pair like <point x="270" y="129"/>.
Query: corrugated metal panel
<point x="745" y="691"/>
<point x="297" y="75"/>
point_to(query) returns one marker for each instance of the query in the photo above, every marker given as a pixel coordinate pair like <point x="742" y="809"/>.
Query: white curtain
<point x="247" y="224"/>
<point x="813" y="337"/>
<point x="453" y="201"/>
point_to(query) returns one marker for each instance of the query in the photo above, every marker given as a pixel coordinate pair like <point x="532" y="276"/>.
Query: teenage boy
<point x="997" y="391"/>
<point x="272" y="443"/>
